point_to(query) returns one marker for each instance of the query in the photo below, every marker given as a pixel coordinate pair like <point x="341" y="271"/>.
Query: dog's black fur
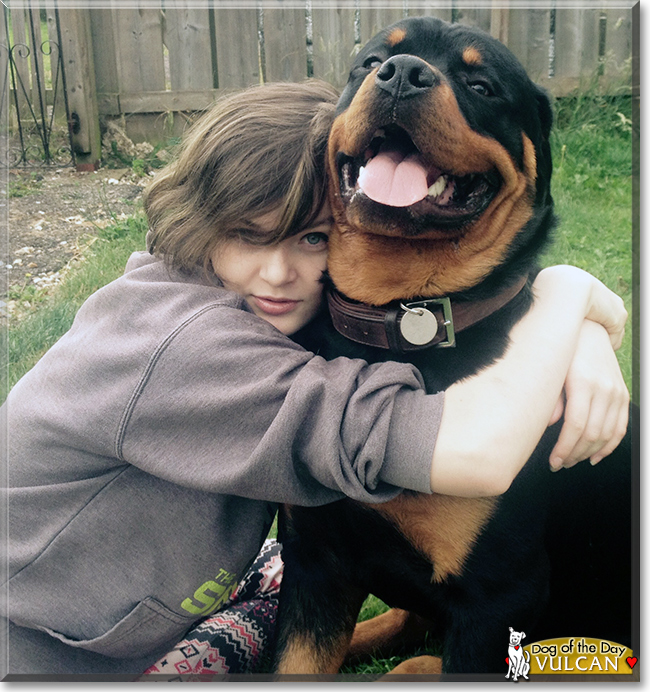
<point x="555" y="559"/>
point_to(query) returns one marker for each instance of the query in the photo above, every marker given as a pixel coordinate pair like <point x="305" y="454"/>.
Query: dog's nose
<point x="405" y="75"/>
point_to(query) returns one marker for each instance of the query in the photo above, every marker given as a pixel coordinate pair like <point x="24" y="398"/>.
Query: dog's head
<point x="516" y="637"/>
<point x="439" y="163"/>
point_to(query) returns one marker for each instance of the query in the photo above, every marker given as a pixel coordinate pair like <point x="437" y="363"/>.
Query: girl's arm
<point x="492" y="422"/>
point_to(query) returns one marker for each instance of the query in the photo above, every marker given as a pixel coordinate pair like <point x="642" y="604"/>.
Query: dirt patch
<point x="51" y="217"/>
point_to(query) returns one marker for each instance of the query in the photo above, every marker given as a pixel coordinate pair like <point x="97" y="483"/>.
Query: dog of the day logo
<point x="518" y="658"/>
<point x="567" y="655"/>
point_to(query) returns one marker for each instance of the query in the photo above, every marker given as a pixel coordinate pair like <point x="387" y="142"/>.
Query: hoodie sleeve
<point x="228" y="404"/>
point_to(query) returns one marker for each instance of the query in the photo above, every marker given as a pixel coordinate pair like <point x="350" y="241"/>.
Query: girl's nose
<point x="277" y="266"/>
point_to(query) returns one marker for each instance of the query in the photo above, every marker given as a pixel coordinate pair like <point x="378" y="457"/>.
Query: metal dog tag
<point x="418" y="325"/>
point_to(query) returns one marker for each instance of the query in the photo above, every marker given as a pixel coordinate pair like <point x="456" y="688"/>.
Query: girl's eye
<point x="315" y="239"/>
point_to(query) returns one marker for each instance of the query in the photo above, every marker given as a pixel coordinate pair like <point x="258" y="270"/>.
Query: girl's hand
<point x="602" y="305"/>
<point x="597" y="402"/>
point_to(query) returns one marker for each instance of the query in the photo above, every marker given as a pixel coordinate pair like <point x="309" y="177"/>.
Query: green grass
<point x="592" y="188"/>
<point x="52" y="316"/>
<point x="593" y="192"/>
<point x="22" y="186"/>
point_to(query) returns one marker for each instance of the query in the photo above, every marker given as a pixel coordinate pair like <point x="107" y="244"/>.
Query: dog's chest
<point x="442" y="528"/>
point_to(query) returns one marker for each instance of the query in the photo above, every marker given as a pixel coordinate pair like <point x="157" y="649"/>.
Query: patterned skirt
<point x="232" y="640"/>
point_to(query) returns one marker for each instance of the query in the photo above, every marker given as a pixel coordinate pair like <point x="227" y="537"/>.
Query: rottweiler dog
<point x="440" y="170"/>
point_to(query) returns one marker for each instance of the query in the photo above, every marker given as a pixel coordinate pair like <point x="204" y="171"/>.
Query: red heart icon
<point x="507" y="660"/>
<point x="631" y="661"/>
<point x="517" y="648"/>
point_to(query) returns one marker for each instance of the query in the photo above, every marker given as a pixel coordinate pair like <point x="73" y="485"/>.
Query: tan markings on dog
<point x="443" y="528"/>
<point x="396" y="36"/>
<point x="530" y="159"/>
<point x="471" y="56"/>
<point x="351" y="126"/>
<point x="371" y="261"/>
<point x="303" y="656"/>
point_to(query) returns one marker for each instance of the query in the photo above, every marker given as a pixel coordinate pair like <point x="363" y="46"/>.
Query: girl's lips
<point x="274" y="306"/>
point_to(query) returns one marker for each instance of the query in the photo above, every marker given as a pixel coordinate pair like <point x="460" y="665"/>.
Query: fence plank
<point x="519" y="35"/>
<point x="5" y="86"/>
<point x="138" y="35"/>
<point x="4" y="60"/>
<point x="618" y="40"/>
<point x="576" y="43"/>
<point x="163" y="101"/>
<point x="431" y="9"/>
<point x="80" y="79"/>
<point x="333" y="44"/>
<point x="374" y="19"/>
<point x="480" y="17"/>
<point x="105" y="52"/>
<point x="285" y="43"/>
<point x="55" y="56"/>
<point x="187" y="37"/>
<point x="500" y="23"/>
<point x="36" y="64"/>
<point x="238" y="57"/>
<point x="529" y="33"/>
<point x="20" y="53"/>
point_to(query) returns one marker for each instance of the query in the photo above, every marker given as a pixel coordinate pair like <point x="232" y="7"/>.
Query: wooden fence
<point x="151" y="60"/>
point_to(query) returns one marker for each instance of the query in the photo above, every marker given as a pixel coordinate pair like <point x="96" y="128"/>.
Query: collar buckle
<point x="417" y="307"/>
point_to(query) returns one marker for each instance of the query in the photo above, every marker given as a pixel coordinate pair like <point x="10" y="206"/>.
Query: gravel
<point x="51" y="217"/>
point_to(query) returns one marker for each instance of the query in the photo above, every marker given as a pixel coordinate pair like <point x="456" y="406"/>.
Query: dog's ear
<point x="523" y="635"/>
<point x="545" y="111"/>
<point x="510" y="628"/>
<point x="540" y="134"/>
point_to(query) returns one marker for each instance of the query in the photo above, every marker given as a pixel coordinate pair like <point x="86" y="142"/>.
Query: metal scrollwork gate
<point x="35" y="124"/>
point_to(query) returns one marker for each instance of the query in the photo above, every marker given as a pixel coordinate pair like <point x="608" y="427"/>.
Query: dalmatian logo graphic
<point x="518" y="660"/>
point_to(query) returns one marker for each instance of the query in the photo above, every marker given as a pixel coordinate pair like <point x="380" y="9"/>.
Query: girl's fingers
<point x="592" y="429"/>
<point x="576" y="415"/>
<point x="616" y="438"/>
<point x="594" y="436"/>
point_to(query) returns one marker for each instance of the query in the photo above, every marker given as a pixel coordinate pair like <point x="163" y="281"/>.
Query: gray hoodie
<point x="147" y="451"/>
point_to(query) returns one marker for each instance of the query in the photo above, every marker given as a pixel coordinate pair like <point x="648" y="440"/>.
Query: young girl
<point x="148" y="449"/>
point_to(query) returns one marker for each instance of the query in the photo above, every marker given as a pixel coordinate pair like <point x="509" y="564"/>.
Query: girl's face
<point x="282" y="282"/>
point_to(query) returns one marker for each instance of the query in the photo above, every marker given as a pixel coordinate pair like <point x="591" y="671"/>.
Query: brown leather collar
<point x="415" y="324"/>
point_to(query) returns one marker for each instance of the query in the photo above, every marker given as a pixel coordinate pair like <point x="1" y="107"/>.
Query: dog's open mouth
<point x="392" y="172"/>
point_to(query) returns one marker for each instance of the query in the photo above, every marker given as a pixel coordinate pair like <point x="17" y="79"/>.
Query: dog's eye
<point x="372" y="62"/>
<point x="480" y="88"/>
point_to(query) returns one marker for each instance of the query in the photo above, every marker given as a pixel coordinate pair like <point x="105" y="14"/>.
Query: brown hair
<point x="254" y="151"/>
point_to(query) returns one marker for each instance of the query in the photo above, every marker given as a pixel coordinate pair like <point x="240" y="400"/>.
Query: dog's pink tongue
<point x="393" y="179"/>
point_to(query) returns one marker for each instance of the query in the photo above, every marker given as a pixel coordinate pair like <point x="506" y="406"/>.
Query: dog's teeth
<point x="439" y="186"/>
